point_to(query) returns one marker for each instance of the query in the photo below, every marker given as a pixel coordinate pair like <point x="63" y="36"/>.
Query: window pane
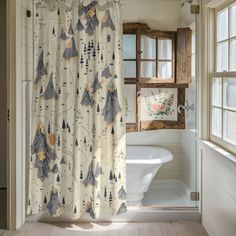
<point x="164" y="49"/>
<point x="233" y="21"/>
<point x="130" y="69"/>
<point x="148" y="47"/>
<point x="217" y="92"/>
<point x="216" y="121"/>
<point x="233" y="54"/>
<point x="222" y="25"/>
<point x="164" y="70"/>
<point x="148" y="69"/>
<point x="230" y="93"/>
<point x="129" y="45"/>
<point x="230" y="126"/>
<point x="222" y="56"/>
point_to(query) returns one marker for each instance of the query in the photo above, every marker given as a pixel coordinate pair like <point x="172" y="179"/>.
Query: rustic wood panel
<point x="184" y="55"/>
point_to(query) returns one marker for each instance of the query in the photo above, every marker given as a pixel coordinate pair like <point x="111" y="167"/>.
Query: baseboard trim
<point x="138" y="215"/>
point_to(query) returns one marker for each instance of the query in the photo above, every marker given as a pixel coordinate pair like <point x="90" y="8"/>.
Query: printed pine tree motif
<point x="49" y="128"/>
<point x="110" y="199"/>
<point x="96" y="85"/>
<point x="107" y="21"/>
<point x="45" y="200"/>
<point x="98" y="171"/>
<point x="58" y="178"/>
<point x="90" y="16"/>
<point x="98" y="108"/>
<point x="106" y="73"/>
<point x="58" y="141"/>
<point x="55" y="169"/>
<point x="76" y="143"/>
<point x="63" y="124"/>
<point x="54" y="205"/>
<point x="41" y="90"/>
<point x="50" y="92"/>
<point x="63" y="201"/>
<point x="70" y="51"/>
<point x="105" y="192"/>
<point x="75" y="210"/>
<point x="63" y="35"/>
<point x="59" y="90"/>
<point x="122" y="193"/>
<point x="63" y="161"/>
<point x="41" y="69"/>
<point x="112" y="106"/>
<point x="87" y="100"/>
<point x="53" y="30"/>
<point x="122" y="209"/>
<point x="79" y="25"/>
<point x="70" y="31"/>
<point x="81" y="175"/>
<point x="111" y="176"/>
<point x="44" y="153"/>
<point x="90" y="178"/>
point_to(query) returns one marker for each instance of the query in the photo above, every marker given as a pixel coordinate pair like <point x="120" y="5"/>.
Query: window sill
<point x="226" y="154"/>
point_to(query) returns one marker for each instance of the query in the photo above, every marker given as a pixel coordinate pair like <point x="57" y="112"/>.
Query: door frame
<point x="15" y="160"/>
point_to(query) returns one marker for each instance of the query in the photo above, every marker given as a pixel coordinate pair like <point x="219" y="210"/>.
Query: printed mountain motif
<point x="54" y="204"/>
<point x="63" y="35"/>
<point x="90" y="16"/>
<point x="41" y="69"/>
<point x="90" y="178"/>
<point x="70" y="31"/>
<point x="98" y="171"/>
<point x="122" y="209"/>
<point x="96" y="85"/>
<point x="122" y="193"/>
<point x="44" y="153"/>
<point x="107" y="21"/>
<point x="112" y="106"/>
<point x="50" y="92"/>
<point x="106" y="73"/>
<point x="70" y="50"/>
<point x="79" y="25"/>
<point x="87" y="100"/>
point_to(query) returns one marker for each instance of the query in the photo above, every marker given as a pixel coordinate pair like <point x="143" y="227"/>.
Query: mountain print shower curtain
<point x="77" y="162"/>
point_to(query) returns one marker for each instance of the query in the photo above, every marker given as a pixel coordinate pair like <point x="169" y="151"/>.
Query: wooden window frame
<point x="140" y="29"/>
<point x="221" y="141"/>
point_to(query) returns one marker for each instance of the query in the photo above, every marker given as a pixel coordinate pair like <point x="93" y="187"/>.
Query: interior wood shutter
<point x="184" y="56"/>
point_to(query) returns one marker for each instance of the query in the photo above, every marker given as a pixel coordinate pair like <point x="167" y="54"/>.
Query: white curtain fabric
<point x="77" y="162"/>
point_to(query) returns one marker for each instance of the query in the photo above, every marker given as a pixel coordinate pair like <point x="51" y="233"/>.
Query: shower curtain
<point x="77" y="162"/>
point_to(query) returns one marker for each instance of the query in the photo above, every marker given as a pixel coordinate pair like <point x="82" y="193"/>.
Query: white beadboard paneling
<point x="168" y="139"/>
<point x="218" y="192"/>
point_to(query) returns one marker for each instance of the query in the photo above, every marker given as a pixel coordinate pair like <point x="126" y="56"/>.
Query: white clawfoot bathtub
<point x="142" y="164"/>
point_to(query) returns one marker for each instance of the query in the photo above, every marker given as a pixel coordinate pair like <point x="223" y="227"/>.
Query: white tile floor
<point x="167" y="197"/>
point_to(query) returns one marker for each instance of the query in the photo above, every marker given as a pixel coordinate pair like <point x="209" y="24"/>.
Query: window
<point x="152" y="90"/>
<point x="223" y="80"/>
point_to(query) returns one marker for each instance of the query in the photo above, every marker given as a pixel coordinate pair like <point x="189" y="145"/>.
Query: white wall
<point x="3" y="95"/>
<point x="218" y="192"/>
<point x="158" y="14"/>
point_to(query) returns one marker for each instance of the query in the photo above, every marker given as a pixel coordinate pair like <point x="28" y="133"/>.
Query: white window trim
<point x="213" y="59"/>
